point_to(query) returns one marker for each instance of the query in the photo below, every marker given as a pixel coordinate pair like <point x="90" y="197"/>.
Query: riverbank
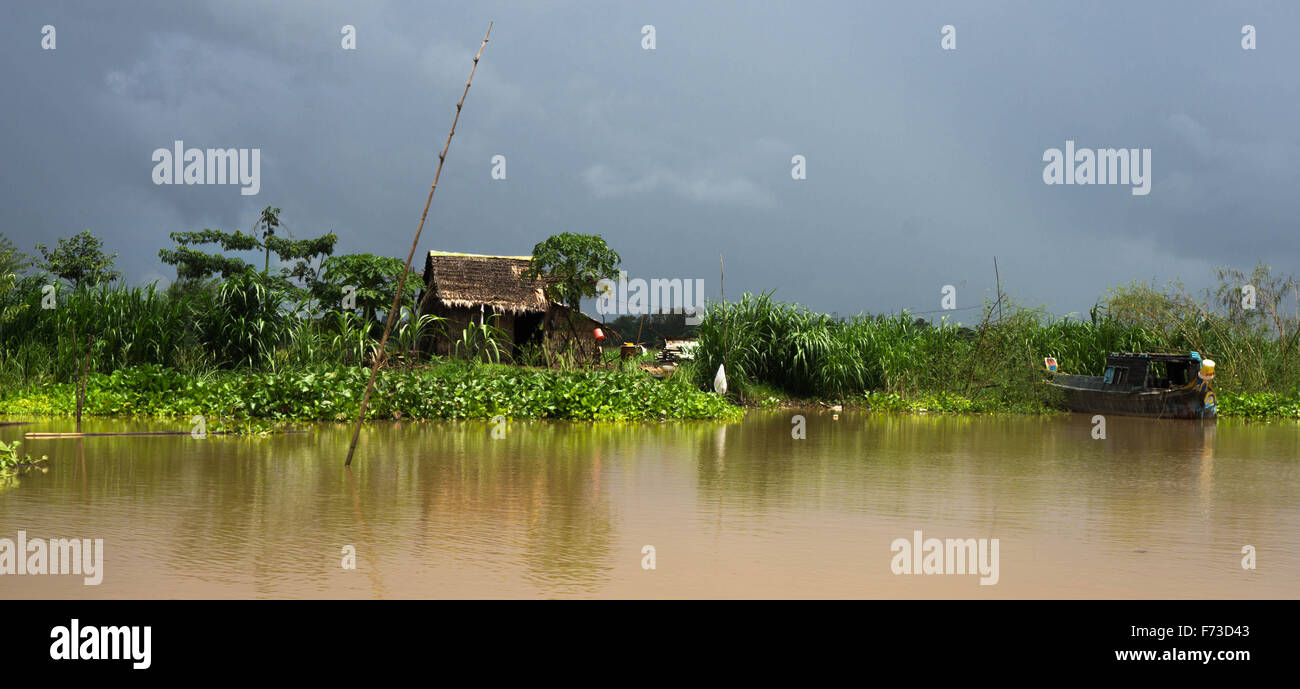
<point x="1251" y="406"/>
<point x="483" y="391"/>
<point x="779" y="351"/>
<point x="446" y="391"/>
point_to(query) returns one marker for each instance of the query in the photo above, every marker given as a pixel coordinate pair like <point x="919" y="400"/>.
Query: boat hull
<point x="1082" y="394"/>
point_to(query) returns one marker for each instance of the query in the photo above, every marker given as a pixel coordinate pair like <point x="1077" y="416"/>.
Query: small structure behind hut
<point x="474" y="289"/>
<point x="677" y="349"/>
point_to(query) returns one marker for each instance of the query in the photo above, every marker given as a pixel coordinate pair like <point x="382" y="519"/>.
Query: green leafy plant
<point x="374" y="279"/>
<point x="80" y="260"/>
<point x="12" y="261"/>
<point x="193" y="265"/>
<point x="480" y="342"/>
<point x="247" y="319"/>
<point x="570" y="265"/>
<point x="454" y="390"/>
<point x="410" y="331"/>
<point x="11" y="461"/>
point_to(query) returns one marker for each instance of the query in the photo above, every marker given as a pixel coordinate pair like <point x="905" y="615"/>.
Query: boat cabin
<point x="1166" y="386"/>
<point x="1158" y="371"/>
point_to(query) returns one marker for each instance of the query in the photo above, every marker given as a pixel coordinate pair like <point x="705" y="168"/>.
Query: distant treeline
<point x="651" y="329"/>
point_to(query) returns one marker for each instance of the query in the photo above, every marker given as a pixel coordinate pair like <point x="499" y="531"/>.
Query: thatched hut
<point x="477" y="289"/>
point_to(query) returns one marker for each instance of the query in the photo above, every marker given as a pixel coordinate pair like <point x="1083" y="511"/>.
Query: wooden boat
<point x="1172" y="386"/>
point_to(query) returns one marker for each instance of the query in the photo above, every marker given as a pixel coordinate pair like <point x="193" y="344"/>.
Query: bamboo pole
<point x="81" y="454"/>
<point x="128" y="434"/>
<point x="76" y="356"/>
<point x="401" y="281"/>
<point x="123" y="434"/>
<point x="998" y="277"/>
<point x="978" y="349"/>
<point x="722" y="287"/>
<point x="81" y="385"/>
<point x="722" y="279"/>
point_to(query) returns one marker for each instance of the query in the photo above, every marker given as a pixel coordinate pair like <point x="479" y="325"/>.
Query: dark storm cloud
<point x="922" y="163"/>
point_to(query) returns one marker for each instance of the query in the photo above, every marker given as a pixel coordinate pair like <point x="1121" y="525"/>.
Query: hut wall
<point x="458" y="318"/>
<point x="560" y="335"/>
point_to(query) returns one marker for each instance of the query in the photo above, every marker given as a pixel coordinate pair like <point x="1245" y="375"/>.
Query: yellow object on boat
<point x="1207" y="369"/>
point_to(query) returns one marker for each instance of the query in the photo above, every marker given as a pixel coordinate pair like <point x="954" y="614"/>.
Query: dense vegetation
<point x="244" y="321"/>
<point x="235" y="350"/>
<point x="450" y="391"/>
<point x="67" y="310"/>
<point x="899" y="362"/>
<point x="229" y="341"/>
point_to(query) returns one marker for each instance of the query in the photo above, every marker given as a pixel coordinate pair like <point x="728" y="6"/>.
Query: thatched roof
<point x="470" y="280"/>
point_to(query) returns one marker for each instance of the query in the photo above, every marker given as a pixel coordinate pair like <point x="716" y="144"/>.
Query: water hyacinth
<point x="448" y="391"/>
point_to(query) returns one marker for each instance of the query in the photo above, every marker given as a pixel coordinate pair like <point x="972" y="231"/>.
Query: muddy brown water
<point x="444" y="509"/>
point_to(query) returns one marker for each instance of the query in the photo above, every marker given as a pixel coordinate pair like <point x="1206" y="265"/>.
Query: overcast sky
<point x="922" y="163"/>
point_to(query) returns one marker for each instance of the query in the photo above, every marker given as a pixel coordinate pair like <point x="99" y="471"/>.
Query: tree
<point x="571" y="264"/>
<point x="652" y="328"/>
<point x="1268" y="302"/>
<point x="268" y="221"/>
<point x="12" y="300"/>
<point x="374" y="277"/>
<point x="303" y="252"/>
<point x="12" y="261"/>
<point x="195" y="265"/>
<point x="80" y="260"/>
<point x="1144" y="305"/>
<point x="192" y="264"/>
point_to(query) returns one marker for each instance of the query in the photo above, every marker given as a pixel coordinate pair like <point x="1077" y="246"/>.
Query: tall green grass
<point x="45" y="333"/>
<point x="247" y="323"/>
<point x="764" y="342"/>
<point x="243" y="322"/>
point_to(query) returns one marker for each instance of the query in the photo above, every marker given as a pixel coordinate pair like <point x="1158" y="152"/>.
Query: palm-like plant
<point x="412" y="331"/>
<point x="480" y="342"/>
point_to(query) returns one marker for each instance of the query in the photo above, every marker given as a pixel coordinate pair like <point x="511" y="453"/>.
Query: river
<point x="555" y="509"/>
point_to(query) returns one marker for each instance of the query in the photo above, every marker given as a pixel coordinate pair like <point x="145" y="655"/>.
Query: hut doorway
<point x="528" y="330"/>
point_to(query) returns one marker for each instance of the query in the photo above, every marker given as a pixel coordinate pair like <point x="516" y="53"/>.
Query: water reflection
<point x="734" y="509"/>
